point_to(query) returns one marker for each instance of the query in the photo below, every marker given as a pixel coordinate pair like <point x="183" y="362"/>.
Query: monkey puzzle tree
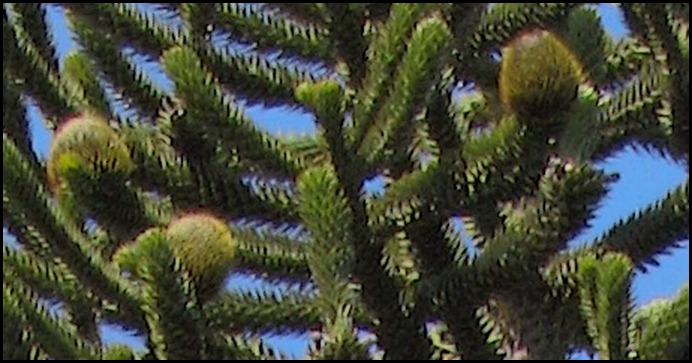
<point x="495" y="115"/>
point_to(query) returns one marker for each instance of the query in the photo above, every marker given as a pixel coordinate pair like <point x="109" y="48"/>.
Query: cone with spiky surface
<point x="87" y="144"/>
<point x="539" y="75"/>
<point x="205" y="247"/>
<point x="405" y="95"/>
<point x="89" y="167"/>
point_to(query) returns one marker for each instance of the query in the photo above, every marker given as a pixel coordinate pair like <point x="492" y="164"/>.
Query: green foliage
<point x="663" y="328"/>
<point x="119" y="352"/>
<point x="321" y="97"/>
<point x="587" y="40"/>
<point x="605" y="301"/>
<point x="168" y="298"/>
<point x="151" y="195"/>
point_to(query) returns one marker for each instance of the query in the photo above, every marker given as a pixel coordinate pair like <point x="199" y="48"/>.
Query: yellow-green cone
<point x="205" y="247"/>
<point x="539" y="75"/>
<point x="86" y="143"/>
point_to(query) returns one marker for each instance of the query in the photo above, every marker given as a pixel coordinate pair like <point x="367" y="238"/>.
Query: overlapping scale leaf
<point x="312" y="150"/>
<point x="273" y="257"/>
<point x="624" y="58"/>
<point x="418" y="71"/>
<point x="396" y="328"/>
<point x="128" y="80"/>
<point x="645" y="235"/>
<point x="269" y="33"/>
<point x="479" y="164"/>
<point x="586" y="38"/>
<point x="162" y="169"/>
<point x="17" y="343"/>
<point x="325" y="213"/>
<point x="50" y="281"/>
<point x="223" y="123"/>
<point x="31" y="17"/>
<point x="386" y="48"/>
<point x="26" y="233"/>
<point x="441" y="127"/>
<point x="604" y="285"/>
<point x="662" y="328"/>
<point x="673" y="39"/>
<point x="346" y="25"/>
<point x="503" y="21"/>
<point x="126" y="26"/>
<point x="77" y="69"/>
<point x="119" y="352"/>
<point x="169" y="301"/>
<point x="37" y="78"/>
<point x="543" y="226"/>
<point x="303" y="13"/>
<point x="14" y="119"/>
<point x="262" y="312"/>
<point x="252" y="77"/>
<point x="66" y="242"/>
<point x="640" y="100"/>
<point x="57" y="337"/>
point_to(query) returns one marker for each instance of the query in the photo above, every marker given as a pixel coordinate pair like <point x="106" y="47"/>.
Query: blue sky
<point x="644" y="179"/>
